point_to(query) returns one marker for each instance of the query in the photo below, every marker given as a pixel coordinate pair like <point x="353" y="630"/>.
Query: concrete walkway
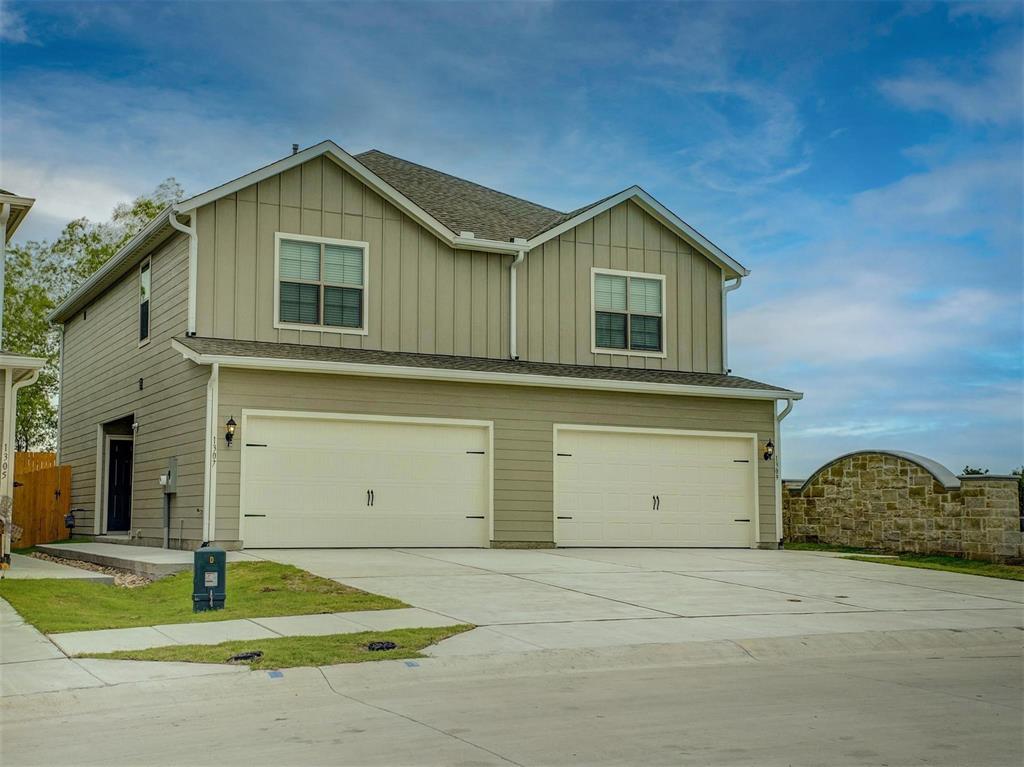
<point x="589" y="598"/>
<point x="30" y="568"/>
<point x="144" y="560"/>
<point x="214" y="632"/>
<point x="31" y="663"/>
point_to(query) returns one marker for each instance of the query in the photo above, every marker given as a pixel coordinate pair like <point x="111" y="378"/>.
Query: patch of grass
<point x="288" y="652"/>
<point x="254" y="590"/>
<point x="797" y="546"/>
<point x="950" y="565"/>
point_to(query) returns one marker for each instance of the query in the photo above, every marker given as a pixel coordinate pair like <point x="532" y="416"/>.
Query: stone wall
<point x="904" y="503"/>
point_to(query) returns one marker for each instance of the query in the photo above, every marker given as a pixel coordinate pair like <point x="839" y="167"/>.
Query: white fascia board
<point x="340" y="156"/>
<point x="115" y="262"/>
<point x="659" y="211"/>
<point x="474" y="376"/>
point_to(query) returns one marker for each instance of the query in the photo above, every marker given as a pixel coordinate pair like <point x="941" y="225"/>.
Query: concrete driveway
<point x="584" y="598"/>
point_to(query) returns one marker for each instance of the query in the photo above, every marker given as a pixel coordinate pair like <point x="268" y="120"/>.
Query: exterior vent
<point x="467" y="235"/>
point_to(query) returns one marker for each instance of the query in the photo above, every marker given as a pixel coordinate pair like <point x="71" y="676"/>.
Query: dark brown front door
<point x="119" y="486"/>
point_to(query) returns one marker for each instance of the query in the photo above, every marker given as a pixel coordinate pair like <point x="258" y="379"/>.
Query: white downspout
<point x="193" y="264"/>
<point x="513" y="326"/>
<point x="9" y="426"/>
<point x="210" y="455"/>
<point x="5" y="215"/>
<point x="727" y="288"/>
<point x="778" y="472"/>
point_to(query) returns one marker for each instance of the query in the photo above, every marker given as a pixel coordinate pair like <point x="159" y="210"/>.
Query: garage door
<point x="324" y="481"/>
<point x="620" y="488"/>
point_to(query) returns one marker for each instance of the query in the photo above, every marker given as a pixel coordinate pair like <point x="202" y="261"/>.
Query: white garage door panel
<point x="308" y="486"/>
<point x="606" y="483"/>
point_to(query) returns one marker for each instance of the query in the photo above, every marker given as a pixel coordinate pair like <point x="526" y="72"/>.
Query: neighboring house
<point x="16" y="370"/>
<point x="411" y="359"/>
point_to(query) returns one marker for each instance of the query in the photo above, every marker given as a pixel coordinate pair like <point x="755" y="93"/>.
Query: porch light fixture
<point x="769" y="450"/>
<point x="229" y="434"/>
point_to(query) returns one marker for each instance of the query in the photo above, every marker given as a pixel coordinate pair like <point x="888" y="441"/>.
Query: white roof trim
<point x="21" y="362"/>
<point x="474" y="376"/>
<point x="659" y="211"/>
<point x="115" y="262"/>
<point x="341" y="157"/>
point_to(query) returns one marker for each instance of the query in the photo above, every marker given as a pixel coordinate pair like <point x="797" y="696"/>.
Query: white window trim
<point x="361" y="331"/>
<point x="138" y="306"/>
<point x="594" y="348"/>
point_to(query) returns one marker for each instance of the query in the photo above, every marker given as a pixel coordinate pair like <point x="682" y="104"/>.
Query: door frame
<point x="107" y="439"/>
<point x="750" y="436"/>
<point x="328" y="416"/>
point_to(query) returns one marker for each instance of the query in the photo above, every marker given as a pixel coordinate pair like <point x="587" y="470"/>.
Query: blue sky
<point x="863" y="160"/>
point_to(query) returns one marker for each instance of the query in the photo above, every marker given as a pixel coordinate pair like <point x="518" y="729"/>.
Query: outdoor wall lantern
<point x="769" y="450"/>
<point x="229" y="434"/>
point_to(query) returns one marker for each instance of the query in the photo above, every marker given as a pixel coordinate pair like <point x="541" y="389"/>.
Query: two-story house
<point x="339" y="350"/>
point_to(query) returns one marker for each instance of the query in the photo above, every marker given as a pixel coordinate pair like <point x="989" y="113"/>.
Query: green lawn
<point x="950" y="565"/>
<point x="254" y="590"/>
<point x="795" y="546"/>
<point x="287" y="652"/>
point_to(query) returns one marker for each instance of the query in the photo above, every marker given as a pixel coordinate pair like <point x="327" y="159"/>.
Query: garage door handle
<point x="565" y="517"/>
<point x="372" y="499"/>
<point x="655" y="502"/>
<point x="481" y="516"/>
<point x="741" y="520"/>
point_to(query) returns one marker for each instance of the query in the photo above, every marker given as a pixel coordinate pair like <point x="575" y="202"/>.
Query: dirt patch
<point x="123" y="578"/>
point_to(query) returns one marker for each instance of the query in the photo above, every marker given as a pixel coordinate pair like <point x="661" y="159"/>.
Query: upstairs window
<point x="629" y="312"/>
<point x="145" y="287"/>
<point x="321" y="284"/>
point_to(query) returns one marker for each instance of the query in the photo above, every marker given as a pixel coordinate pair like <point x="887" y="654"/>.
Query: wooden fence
<point x="42" y="496"/>
<point x="26" y="463"/>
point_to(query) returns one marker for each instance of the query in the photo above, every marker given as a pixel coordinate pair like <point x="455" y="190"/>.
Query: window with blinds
<point x="628" y="312"/>
<point x="321" y="283"/>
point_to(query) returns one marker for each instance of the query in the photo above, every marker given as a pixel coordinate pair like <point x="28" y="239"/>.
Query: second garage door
<point x="623" y="488"/>
<point x="322" y="481"/>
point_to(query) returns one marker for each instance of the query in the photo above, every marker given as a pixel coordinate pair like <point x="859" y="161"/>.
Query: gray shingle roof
<point x="299" y="352"/>
<point x="463" y="206"/>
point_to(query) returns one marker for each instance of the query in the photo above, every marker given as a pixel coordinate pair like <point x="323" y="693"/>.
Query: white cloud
<point x="12" y="25"/>
<point x="993" y="95"/>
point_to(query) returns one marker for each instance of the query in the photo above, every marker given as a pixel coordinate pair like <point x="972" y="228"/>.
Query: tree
<point x="971" y="471"/>
<point x="39" y="276"/>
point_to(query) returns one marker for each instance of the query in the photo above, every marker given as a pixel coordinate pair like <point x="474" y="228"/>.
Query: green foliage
<point x="39" y="275"/>
<point x="972" y="471"/>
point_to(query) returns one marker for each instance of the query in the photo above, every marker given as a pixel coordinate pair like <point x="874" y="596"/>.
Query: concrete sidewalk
<point x="29" y="568"/>
<point x="214" y="632"/>
<point x="31" y="663"/>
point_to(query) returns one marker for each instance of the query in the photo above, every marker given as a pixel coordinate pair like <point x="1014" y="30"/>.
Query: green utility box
<point x="209" y="579"/>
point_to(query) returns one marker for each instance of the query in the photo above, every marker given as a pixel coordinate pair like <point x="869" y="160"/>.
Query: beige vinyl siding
<point x="523" y="427"/>
<point x="554" y="302"/>
<point x="423" y="296"/>
<point x="426" y="297"/>
<point x="103" y="363"/>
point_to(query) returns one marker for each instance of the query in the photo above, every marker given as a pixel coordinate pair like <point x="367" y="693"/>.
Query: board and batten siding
<point x="523" y="430"/>
<point x="425" y="297"/>
<point x="102" y="365"/>
<point x="554" y="293"/>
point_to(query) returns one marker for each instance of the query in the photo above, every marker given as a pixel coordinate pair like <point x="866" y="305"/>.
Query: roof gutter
<point x="59" y="314"/>
<point x="193" y="263"/>
<point x="475" y="376"/>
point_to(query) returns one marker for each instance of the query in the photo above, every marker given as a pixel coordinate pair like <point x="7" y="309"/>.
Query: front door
<point x="119" y="485"/>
